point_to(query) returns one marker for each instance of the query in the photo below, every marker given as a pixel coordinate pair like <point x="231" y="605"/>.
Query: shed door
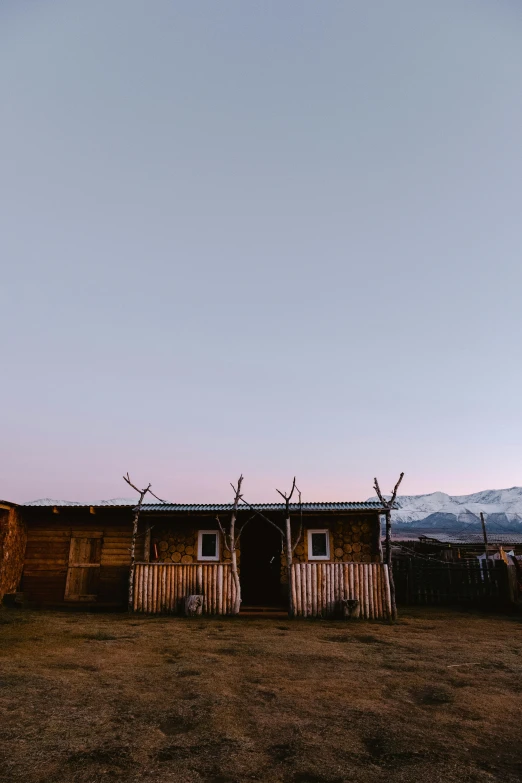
<point x="83" y="573"/>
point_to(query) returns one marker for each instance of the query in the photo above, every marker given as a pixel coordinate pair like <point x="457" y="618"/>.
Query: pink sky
<point x="277" y="238"/>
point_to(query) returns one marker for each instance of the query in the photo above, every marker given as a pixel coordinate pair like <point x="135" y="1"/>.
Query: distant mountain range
<point x="55" y="502"/>
<point x="502" y="510"/>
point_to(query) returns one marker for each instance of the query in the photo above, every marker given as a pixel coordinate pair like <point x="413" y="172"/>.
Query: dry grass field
<point x="87" y="698"/>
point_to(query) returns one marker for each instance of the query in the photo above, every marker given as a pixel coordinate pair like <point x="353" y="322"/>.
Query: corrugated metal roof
<point x="208" y="507"/>
<point x="346" y="506"/>
<point x="475" y="538"/>
<point x="115" y="502"/>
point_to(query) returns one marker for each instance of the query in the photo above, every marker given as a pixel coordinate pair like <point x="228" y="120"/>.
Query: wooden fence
<point x="162" y="587"/>
<point x="419" y="581"/>
<point x="318" y="589"/>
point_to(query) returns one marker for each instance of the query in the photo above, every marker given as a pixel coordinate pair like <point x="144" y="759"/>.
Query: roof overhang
<point x="7" y="504"/>
<point x="310" y="508"/>
<point x="340" y="507"/>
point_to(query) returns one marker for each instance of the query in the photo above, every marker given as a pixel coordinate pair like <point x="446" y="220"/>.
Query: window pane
<point x="208" y="545"/>
<point x="319" y="545"/>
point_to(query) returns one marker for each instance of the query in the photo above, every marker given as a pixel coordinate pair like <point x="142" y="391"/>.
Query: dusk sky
<point x="272" y="237"/>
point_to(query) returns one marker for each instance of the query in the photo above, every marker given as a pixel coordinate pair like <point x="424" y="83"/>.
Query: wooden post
<point x="387" y="592"/>
<point x="390" y="567"/>
<point x="132" y="569"/>
<point x="379" y="539"/>
<point x="289" y="546"/>
<point x="388" y="506"/>
<point x="484" y="533"/>
<point x="297" y="580"/>
<point x="146" y="545"/>
<point x="231" y="540"/>
<point x="289" y="560"/>
<point x="135" y="525"/>
<point x="235" y="573"/>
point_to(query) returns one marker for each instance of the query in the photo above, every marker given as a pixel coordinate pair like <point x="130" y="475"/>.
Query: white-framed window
<point x="208" y="545"/>
<point x="318" y="545"/>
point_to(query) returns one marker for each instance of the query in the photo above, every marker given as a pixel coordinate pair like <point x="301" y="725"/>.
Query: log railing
<point x="319" y="588"/>
<point x="162" y="587"/>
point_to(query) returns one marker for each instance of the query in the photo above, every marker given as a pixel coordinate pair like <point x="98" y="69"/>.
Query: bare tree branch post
<point x="289" y="547"/>
<point x="232" y="535"/>
<point x="137" y="511"/>
<point x="388" y="506"/>
<point x="231" y="540"/>
<point x="256" y="512"/>
<point x="379" y="544"/>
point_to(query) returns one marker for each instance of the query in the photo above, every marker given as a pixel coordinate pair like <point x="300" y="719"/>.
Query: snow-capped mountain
<point x="502" y="509"/>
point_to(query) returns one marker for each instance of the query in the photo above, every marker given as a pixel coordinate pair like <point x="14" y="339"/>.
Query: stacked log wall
<point x="13" y="537"/>
<point x="354" y="538"/>
<point x="177" y="541"/>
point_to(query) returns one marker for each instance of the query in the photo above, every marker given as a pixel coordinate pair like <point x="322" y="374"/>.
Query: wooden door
<point x="83" y="573"/>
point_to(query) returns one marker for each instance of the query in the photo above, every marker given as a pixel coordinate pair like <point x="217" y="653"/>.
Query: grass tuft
<point x="99" y="636"/>
<point x="433" y="694"/>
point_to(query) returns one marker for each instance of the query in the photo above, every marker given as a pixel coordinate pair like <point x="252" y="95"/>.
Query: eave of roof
<point x="368" y="505"/>
<point x="71" y="504"/>
<point x="216" y="507"/>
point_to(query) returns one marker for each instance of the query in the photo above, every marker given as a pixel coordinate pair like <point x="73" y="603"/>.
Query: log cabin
<point x="80" y="556"/>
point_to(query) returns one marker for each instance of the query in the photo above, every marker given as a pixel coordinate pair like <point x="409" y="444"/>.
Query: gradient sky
<point x="277" y="237"/>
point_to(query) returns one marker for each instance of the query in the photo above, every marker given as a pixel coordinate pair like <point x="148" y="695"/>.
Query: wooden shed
<point x="80" y="556"/>
<point x="77" y="555"/>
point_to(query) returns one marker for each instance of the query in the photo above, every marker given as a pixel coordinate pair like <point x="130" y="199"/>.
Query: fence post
<point x="511" y="583"/>
<point x="408" y="577"/>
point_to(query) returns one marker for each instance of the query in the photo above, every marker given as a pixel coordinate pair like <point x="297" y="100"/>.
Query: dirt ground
<point x="90" y="697"/>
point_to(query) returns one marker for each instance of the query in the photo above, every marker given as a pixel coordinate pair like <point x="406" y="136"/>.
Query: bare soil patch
<point x="90" y="697"/>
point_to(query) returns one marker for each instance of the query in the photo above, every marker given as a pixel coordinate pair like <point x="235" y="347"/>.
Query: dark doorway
<point x="260" y="565"/>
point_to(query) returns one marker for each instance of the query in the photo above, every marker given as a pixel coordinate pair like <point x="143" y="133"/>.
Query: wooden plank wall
<point x="320" y="587"/>
<point x="162" y="587"/>
<point x="421" y="581"/>
<point x="115" y="564"/>
<point x="45" y="566"/>
<point x="47" y="556"/>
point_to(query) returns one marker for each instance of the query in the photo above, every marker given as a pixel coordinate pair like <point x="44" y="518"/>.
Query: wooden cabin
<point x="81" y="556"/>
